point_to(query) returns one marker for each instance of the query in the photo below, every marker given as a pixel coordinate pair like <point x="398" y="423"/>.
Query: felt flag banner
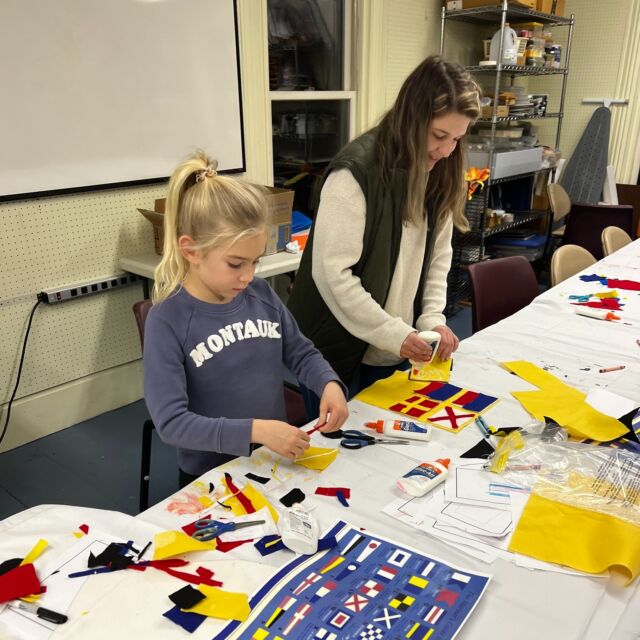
<point x="371" y="596"/>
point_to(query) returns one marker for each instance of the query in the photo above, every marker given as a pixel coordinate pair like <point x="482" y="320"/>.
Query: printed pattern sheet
<point x="367" y="587"/>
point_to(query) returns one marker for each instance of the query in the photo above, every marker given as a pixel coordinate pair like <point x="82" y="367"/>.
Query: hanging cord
<point x="15" y="389"/>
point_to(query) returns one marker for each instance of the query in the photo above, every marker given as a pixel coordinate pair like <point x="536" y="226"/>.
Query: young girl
<point x="374" y="271"/>
<point x="216" y="339"/>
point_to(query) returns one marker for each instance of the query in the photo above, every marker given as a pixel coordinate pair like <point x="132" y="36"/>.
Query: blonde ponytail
<point x="211" y="209"/>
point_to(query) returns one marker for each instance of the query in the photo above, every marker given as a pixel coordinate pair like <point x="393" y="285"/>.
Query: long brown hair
<point x="433" y="89"/>
<point x="214" y="210"/>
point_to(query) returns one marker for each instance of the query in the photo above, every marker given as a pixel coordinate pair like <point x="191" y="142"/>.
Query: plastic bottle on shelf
<point x="509" y="47"/>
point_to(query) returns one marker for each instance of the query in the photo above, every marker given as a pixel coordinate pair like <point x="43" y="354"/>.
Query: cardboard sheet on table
<point x="318" y="458"/>
<point x="578" y="538"/>
<point x="564" y="404"/>
<point x="225" y="605"/>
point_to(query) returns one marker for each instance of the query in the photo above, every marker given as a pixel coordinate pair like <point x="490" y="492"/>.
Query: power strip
<point x="83" y="289"/>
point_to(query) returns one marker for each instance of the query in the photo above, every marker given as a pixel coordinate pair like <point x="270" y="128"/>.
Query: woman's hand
<point x="415" y="348"/>
<point x="448" y="343"/>
<point x="282" y="438"/>
<point x="333" y="408"/>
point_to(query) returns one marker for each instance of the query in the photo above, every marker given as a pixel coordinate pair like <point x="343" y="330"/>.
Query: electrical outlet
<point x="89" y="288"/>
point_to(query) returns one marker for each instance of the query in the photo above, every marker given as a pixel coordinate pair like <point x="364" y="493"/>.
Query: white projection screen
<point x="98" y="93"/>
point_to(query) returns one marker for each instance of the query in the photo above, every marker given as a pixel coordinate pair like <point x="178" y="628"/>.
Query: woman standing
<point x="374" y="271"/>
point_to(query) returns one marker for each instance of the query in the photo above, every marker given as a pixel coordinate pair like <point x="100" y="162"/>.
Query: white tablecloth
<point x="519" y="602"/>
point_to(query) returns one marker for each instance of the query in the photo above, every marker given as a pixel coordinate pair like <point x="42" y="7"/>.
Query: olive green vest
<point x="375" y="268"/>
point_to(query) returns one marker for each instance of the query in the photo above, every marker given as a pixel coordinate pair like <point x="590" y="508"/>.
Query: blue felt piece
<point x="261" y="545"/>
<point x="188" y="621"/>
<point x="328" y="542"/>
<point x="299" y="222"/>
<point x="539" y="240"/>
<point x="595" y="278"/>
<point x="444" y="392"/>
<point x="480" y="403"/>
<point x="343" y="499"/>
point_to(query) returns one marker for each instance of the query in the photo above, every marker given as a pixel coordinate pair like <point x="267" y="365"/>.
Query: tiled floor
<point x="97" y="463"/>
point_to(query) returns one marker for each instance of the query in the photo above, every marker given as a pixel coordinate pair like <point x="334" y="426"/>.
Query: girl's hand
<point x="449" y="342"/>
<point x="333" y="408"/>
<point x="282" y="438"/>
<point x="415" y="348"/>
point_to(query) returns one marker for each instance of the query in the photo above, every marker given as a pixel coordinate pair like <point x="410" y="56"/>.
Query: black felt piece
<point x="121" y="562"/>
<point x="481" y="450"/>
<point x="211" y="487"/>
<point x="260" y="479"/>
<point x="295" y="495"/>
<point x="332" y="435"/>
<point x="112" y="555"/>
<point x="627" y="422"/>
<point x="7" y="565"/>
<point x="186" y="597"/>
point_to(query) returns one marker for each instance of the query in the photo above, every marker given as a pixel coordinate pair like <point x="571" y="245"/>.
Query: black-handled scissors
<point x="352" y="439"/>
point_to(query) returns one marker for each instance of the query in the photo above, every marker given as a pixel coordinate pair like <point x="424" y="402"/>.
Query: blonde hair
<point x="433" y="89"/>
<point x="211" y="209"/>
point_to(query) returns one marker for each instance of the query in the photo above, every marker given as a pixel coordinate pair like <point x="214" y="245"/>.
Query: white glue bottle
<point x="424" y="477"/>
<point x="299" y="530"/>
<point x="401" y="429"/>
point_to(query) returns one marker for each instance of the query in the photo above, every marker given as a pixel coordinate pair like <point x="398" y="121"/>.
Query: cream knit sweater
<point x="339" y="231"/>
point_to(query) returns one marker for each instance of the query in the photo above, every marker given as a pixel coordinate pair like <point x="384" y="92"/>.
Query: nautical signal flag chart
<point x="440" y="404"/>
<point x="365" y="588"/>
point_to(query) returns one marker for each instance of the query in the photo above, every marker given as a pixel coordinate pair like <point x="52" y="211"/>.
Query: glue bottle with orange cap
<point x="424" y="477"/>
<point x="401" y="429"/>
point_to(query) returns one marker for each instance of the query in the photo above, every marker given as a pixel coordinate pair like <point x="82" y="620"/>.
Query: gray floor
<point x="96" y="463"/>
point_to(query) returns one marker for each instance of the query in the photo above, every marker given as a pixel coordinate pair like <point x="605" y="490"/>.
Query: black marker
<point x="45" y="614"/>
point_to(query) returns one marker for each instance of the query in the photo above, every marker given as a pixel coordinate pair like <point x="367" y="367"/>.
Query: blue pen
<point x="484" y="431"/>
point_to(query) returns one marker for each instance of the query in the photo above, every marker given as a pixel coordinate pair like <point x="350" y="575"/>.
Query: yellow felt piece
<point x="32" y="598"/>
<point x="225" y="605"/>
<point x="206" y="501"/>
<point x="40" y="546"/>
<point x="608" y="294"/>
<point x="578" y="538"/>
<point x="317" y="458"/>
<point x="436" y="370"/>
<point x="564" y="404"/>
<point x="167" y="544"/>
<point x="255" y="497"/>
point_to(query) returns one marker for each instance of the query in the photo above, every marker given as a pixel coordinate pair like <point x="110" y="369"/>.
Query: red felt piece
<point x="469" y="396"/>
<point x="610" y="304"/>
<point x="413" y="399"/>
<point x="223" y="547"/>
<point x="414" y="412"/>
<point x="19" y="582"/>
<point x="627" y="285"/>
<point x="242" y="499"/>
<point x="429" y="404"/>
<point x="202" y="575"/>
<point x="452" y="417"/>
<point x="333" y="491"/>
<point x="398" y="407"/>
<point x="191" y="527"/>
<point x="84" y="528"/>
<point x="430" y="388"/>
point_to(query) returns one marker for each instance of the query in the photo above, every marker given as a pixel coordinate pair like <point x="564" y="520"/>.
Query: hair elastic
<point x="209" y="172"/>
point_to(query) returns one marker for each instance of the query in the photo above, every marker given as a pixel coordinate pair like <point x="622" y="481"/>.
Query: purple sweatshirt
<point x="210" y="369"/>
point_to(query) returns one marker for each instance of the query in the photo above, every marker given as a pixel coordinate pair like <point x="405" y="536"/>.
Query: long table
<point x="519" y="602"/>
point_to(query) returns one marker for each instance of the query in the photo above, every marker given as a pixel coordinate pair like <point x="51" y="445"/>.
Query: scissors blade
<point x="251" y="523"/>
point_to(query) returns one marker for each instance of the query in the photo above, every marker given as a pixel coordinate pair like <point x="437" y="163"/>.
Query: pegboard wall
<point x="51" y="242"/>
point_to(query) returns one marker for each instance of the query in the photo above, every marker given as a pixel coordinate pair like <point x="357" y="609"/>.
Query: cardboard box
<point x="487" y="112"/>
<point x="280" y="203"/>
<point x="456" y="5"/>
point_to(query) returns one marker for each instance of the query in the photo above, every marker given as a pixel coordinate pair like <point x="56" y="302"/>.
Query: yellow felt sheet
<point x="317" y="458"/>
<point x="564" y="404"/>
<point x="436" y="370"/>
<point x="255" y="497"/>
<point x="167" y="544"/>
<point x="225" y="605"/>
<point x="578" y="538"/>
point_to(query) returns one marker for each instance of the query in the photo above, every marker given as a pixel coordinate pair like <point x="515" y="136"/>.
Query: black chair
<point x="294" y="406"/>
<point x="499" y="288"/>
